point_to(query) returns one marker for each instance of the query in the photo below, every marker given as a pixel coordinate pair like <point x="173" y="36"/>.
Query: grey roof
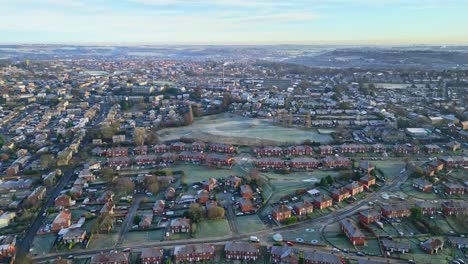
<point x="319" y="257"/>
<point x="395" y="244"/>
<point x="152" y="252"/>
<point x="241" y="247"/>
<point x="351" y="228"/>
<point x="193" y="249"/>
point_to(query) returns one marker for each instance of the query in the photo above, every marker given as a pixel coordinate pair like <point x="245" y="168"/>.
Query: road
<point x="25" y="244"/>
<point x="344" y="212"/>
<point x="128" y="222"/>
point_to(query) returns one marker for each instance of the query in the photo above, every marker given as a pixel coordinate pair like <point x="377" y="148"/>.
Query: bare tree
<point x="139" y="134"/>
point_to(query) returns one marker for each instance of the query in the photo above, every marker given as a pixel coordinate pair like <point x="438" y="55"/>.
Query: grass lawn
<point x="418" y="255"/>
<point x="42" y="244"/>
<point x="212" y="228"/>
<point x="103" y="240"/>
<point x="372" y="246"/>
<point x="138" y="236"/>
<point x="391" y="168"/>
<point x="408" y="189"/>
<point x="457" y="223"/>
<point x="249" y="223"/>
<point x="241" y="130"/>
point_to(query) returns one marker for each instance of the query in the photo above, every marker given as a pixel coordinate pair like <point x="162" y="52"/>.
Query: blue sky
<point x="234" y="21"/>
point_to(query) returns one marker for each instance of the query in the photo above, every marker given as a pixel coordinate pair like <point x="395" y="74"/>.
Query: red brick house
<point x="170" y="194"/>
<point x="194" y="253"/>
<point x="367" y="180"/>
<point x="63" y="200"/>
<point x="454" y="188"/>
<point x="405" y="149"/>
<point x="432" y="245"/>
<point x="158" y="207"/>
<point x="353" y="233"/>
<point x="241" y="251"/>
<point x="86" y="175"/>
<point x="281" y="212"/>
<point x="352" y="148"/>
<point x="453" y="207"/>
<point x="378" y="148"/>
<point x="354" y="188"/>
<point x="210" y="184"/>
<point x="168" y="157"/>
<point x="232" y="181"/>
<point x="427" y="208"/>
<point x="119" y="162"/>
<point x="270" y="163"/>
<point x="299" y="151"/>
<point x="436" y="165"/>
<point x="113" y="257"/>
<point x="117" y="152"/>
<point x="369" y="216"/>
<point x="315" y="257"/>
<point x="335" y="162"/>
<point x="268" y="151"/>
<point x="453" y="145"/>
<point x="284" y="254"/>
<point x="62" y="220"/>
<point x="203" y="196"/>
<point x="395" y="210"/>
<point x="179" y="146"/>
<point x="422" y="184"/>
<point x="219" y="159"/>
<point x="198" y="146"/>
<point x="180" y="225"/>
<point x="225" y="148"/>
<point x="107" y="209"/>
<point x="246" y="205"/>
<point x="140" y="150"/>
<point x="146" y="159"/>
<point x="340" y="194"/>
<point x="326" y="150"/>
<point x="246" y="191"/>
<point x="455" y="161"/>
<point x="304" y="163"/>
<point x="322" y="202"/>
<point x="431" y="149"/>
<point x="153" y="255"/>
<point x="191" y="156"/>
<point x="161" y="148"/>
<point x="303" y="208"/>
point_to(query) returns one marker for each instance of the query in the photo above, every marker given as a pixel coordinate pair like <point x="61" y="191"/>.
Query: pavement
<point x="128" y="221"/>
<point x="26" y="243"/>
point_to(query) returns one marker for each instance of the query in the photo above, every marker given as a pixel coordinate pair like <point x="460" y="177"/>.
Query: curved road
<point x="395" y="183"/>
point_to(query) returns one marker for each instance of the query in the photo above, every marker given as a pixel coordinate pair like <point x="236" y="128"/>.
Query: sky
<point x="370" y="22"/>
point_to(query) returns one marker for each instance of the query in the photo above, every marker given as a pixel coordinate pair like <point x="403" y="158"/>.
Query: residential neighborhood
<point x="181" y="161"/>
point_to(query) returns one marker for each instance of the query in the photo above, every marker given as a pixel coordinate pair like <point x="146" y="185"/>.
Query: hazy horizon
<point x="241" y="22"/>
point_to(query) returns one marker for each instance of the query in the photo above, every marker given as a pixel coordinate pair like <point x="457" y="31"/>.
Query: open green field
<point x="42" y="244"/>
<point x="213" y="228"/>
<point x="239" y="130"/>
<point x="139" y="236"/>
<point x="197" y="173"/>
<point x="249" y="223"/>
